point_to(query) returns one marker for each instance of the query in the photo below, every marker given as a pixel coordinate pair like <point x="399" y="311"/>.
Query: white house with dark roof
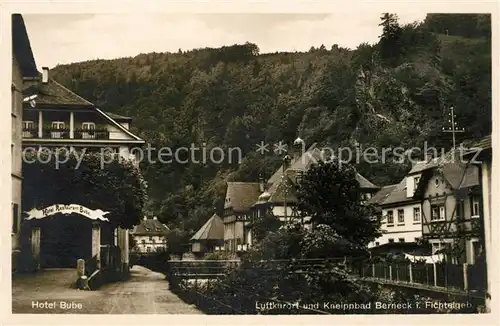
<point x="150" y="235"/>
<point x="62" y="118"/>
<point x="57" y="118"/>
<point x="401" y="214"/>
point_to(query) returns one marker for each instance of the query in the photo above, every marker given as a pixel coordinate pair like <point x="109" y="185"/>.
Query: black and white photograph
<point x="251" y="163"/>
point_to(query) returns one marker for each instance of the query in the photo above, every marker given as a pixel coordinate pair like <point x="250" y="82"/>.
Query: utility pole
<point x="453" y="126"/>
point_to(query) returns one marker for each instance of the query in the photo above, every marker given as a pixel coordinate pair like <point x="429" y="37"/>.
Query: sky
<point x="66" y="38"/>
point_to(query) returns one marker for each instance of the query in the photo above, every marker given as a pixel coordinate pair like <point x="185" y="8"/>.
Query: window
<point x="436" y="182"/>
<point x="437" y="213"/>
<point x="476" y="251"/>
<point x="391" y="240"/>
<point x="148" y="249"/>
<point x="416" y="180"/>
<point x="377" y="244"/>
<point x="417" y="239"/>
<point x="416" y="214"/>
<point x="15" y="217"/>
<point x="401" y="216"/>
<point x="401" y="240"/>
<point x="475" y="207"/>
<point x="29" y="129"/>
<point x="143" y="241"/>
<point x="390" y="218"/>
<point x="89" y="128"/>
<point x="57" y="129"/>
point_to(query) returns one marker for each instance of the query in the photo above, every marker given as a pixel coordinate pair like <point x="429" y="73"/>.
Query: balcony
<point x="95" y="134"/>
<point x="65" y="133"/>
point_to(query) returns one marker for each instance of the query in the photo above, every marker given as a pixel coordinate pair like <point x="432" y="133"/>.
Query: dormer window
<point x="416" y="180"/>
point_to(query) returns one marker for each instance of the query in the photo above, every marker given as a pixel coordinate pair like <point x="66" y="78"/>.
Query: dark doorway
<point x="65" y="239"/>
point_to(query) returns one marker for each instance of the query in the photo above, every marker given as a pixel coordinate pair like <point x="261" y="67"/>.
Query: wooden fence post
<point x="435" y="273"/>
<point x="411" y="272"/>
<point x="466" y="280"/>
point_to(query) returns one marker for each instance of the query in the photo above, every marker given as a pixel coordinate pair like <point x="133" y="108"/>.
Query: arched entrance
<point x="62" y="234"/>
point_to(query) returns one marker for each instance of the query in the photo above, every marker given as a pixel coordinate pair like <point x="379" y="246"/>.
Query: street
<point x="51" y="292"/>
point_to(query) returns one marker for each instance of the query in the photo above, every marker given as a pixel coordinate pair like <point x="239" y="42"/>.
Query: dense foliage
<point x="394" y="93"/>
<point x="330" y="194"/>
<point x="117" y="187"/>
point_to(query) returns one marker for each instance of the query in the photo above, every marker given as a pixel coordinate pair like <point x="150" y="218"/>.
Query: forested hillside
<point x="394" y="93"/>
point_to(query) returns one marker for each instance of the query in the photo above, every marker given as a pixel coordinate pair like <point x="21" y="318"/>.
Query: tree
<point x="117" y="187"/>
<point x="391" y="47"/>
<point x="330" y="194"/>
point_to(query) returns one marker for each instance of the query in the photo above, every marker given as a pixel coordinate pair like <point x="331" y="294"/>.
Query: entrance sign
<point x="67" y="209"/>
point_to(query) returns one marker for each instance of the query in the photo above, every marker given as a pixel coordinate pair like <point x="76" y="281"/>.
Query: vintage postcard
<point x="248" y="164"/>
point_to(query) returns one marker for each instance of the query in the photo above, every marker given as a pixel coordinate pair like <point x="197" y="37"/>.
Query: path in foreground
<point x="146" y="292"/>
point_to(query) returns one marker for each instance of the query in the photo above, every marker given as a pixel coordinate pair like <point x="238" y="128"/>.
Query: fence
<point x="440" y="275"/>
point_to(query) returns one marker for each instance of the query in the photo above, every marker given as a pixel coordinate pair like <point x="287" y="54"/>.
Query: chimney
<point x="45" y="75"/>
<point x="428" y="156"/>
<point x="261" y="184"/>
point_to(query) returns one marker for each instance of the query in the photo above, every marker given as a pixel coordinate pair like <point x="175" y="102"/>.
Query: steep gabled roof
<point x="53" y="93"/>
<point x="364" y="183"/>
<point x="213" y="229"/>
<point x="150" y="227"/>
<point x="304" y="163"/>
<point x="241" y="195"/>
<point x="382" y="194"/>
<point x="398" y="194"/>
<point x="283" y="190"/>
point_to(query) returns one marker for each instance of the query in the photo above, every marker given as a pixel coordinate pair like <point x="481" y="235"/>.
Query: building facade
<point x="150" y="236"/>
<point x="401" y="214"/>
<point x="237" y="216"/>
<point x="23" y="70"/>
<point x="451" y="210"/>
<point x="57" y="119"/>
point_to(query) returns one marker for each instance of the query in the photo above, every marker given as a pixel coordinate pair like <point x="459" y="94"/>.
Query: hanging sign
<point x="67" y="209"/>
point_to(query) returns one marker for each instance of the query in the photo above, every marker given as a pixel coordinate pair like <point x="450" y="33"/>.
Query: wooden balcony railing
<point x="55" y="133"/>
<point x="91" y="134"/>
<point x="64" y="133"/>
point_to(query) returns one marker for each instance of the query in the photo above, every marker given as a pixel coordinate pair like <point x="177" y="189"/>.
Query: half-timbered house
<point x="451" y="212"/>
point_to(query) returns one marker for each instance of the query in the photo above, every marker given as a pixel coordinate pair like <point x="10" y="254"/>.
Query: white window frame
<point x="472" y="256"/>
<point x="475" y="202"/>
<point x="390" y="223"/>
<point x="88" y="133"/>
<point x="416" y="210"/>
<point x="440" y="217"/>
<point x="399" y="215"/>
<point x="416" y="180"/>
<point x="57" y="125"/>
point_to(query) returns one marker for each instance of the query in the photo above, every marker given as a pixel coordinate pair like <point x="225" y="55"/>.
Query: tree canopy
<point x="235" y="96"/>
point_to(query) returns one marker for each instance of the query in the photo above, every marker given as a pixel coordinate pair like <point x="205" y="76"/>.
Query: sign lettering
<point x="67" y="209"/>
